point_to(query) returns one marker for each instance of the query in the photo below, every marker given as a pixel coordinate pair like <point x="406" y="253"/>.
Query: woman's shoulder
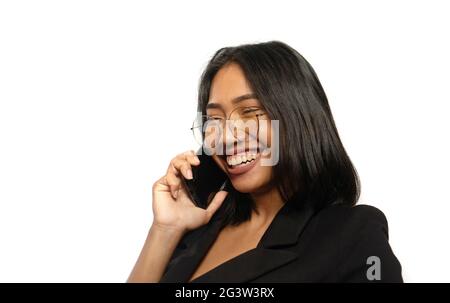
<point x="351" y="217"/>
<point x="354" y="227"/>
<point x="344" y="211"/>
<point x="359" y="237"/>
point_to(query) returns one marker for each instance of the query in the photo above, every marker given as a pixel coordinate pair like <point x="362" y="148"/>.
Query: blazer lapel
<point x="272" y="251"/>
<point x="182" y="267"/>
<point x="248" y="266"/>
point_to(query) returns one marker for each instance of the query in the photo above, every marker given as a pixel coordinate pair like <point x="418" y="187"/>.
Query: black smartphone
<point x="207" y="179"/>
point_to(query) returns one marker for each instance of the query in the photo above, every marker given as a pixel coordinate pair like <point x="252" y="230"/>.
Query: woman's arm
<point x="155" y="255"/>
<point x="174" y="214"/>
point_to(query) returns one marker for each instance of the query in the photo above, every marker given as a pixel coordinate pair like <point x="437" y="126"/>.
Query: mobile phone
<point x="207" y="178"/>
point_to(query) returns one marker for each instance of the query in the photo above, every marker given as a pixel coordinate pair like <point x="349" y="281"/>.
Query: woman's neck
<point x="267" y="203"/>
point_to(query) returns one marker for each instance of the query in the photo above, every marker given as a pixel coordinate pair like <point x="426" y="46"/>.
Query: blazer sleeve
<point x="365" y="253"/>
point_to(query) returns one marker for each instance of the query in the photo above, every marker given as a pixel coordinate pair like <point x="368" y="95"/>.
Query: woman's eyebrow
<point x="234" y="100"/>
<point x="243" y="97"/>
<point x="213" y="105"/>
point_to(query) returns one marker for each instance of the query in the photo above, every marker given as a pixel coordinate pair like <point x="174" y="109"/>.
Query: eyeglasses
<point x="242" y="122"/>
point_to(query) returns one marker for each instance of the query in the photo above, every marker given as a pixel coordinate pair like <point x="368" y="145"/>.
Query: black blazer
<point x="332" y="245"/>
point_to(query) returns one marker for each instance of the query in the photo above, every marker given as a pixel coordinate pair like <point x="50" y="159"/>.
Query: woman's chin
<point x="242" y="188"/>
<point x="247" y="179"/>
<point x="249" y="184"/>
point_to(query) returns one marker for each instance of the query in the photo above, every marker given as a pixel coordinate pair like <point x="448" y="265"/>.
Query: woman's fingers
<point x="173" y="182"/>
<point x="180" y="164"/>
<point x="192" y="158"/>
<point x="161" y="185"/>
<point x="184" y="162"/>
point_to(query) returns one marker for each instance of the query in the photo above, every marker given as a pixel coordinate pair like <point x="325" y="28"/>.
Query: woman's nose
<point x="229" y="138"/>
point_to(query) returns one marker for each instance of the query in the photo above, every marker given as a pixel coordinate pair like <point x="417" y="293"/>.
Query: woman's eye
<point x="251" y="110"/>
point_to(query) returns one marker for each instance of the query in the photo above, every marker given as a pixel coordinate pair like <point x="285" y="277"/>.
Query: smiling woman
<point x="288" y="211"/>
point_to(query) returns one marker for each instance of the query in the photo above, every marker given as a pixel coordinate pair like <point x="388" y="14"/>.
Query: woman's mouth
<point x="241" y="163"/>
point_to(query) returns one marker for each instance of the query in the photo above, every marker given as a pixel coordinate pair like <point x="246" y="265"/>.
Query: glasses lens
<point x="244" y="122"/>
<point x="197" y="129"/>
<point x="206" y="129"/>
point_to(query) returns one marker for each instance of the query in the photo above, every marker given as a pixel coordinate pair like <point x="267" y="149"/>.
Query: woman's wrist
<point x="170" y="231"/>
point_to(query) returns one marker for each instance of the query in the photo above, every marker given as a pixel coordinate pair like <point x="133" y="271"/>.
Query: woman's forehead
<point x="228" y="83"/>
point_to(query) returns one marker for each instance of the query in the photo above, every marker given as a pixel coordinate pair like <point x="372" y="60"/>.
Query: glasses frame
<point x="225" y="119"/>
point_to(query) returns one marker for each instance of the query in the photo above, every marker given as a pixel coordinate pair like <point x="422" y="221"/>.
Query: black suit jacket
<point x="331" y="245"/>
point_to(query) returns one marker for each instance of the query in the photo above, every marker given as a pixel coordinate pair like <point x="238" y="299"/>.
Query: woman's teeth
<point x="240" y="159"/>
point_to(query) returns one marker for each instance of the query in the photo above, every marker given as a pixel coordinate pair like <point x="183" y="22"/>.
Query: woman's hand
<point x="172" y="208"/>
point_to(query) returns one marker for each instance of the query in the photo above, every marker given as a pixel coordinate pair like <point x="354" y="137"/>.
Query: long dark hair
<point x="314" y="168"/>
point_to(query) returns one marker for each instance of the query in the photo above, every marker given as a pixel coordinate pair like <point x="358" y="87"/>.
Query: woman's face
<point x="240" y="159"/>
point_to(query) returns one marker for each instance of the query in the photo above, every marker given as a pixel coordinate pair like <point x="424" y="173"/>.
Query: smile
<point x="241" y="163"/>
<point x="236" y="160"/>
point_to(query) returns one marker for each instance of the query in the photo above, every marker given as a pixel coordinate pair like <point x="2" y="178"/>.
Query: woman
<point x="294" y="220"/>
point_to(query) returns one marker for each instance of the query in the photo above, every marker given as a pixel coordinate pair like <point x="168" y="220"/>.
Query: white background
<point x="97" y="96"/>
